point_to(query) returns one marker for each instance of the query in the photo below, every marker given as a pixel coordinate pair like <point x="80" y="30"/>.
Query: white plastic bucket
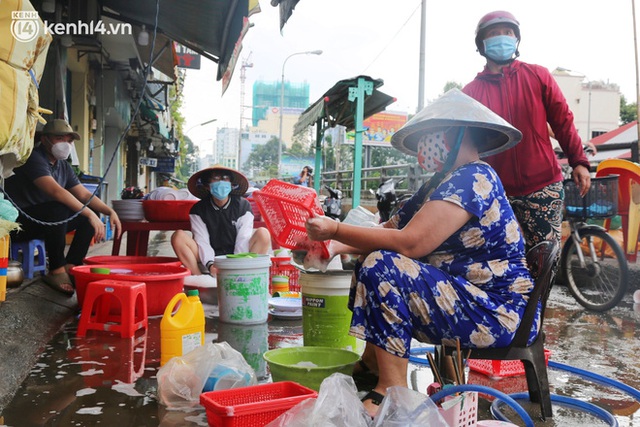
<point x="243" y="289"/>
<point x="326" y="319"/>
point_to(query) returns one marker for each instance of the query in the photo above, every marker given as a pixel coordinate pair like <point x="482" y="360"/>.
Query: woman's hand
<point x="321" y="228"/>
<point x="116" y="226"/>
<point x="582" y="178"/>
<point x="98" y="227"/>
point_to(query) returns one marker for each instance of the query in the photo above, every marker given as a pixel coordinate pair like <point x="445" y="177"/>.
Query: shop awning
<point x="164" y="57"/>
<point x="347" y="103"/>
<point x="209" y="27"/>
<point x="335" y="108"/>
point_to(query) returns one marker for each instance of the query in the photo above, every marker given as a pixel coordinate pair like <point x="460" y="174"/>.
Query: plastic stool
<point x="30" y="263"/>
<point x="98" y="311"/>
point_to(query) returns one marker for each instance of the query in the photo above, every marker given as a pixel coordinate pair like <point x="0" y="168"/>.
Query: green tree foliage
<point x="450" y="85"/>
<point x="187" y="161"/>
<point x="628" y="112"/>
<point x="264" y="158"/>
<point x="189" y="154"/>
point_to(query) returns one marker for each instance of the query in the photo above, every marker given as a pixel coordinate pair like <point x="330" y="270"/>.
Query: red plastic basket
<point x="281" y="266"/>
<point x="254" y="405"/>
<point x="501" y="368"/>
<point x="285" y="208"/>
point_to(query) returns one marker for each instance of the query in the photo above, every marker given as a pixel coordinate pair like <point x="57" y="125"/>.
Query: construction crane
<point x="243" y="77"/>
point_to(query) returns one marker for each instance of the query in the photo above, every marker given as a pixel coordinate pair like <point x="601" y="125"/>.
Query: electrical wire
<point x="115" y="151"/>
<point x="391" y="39"/>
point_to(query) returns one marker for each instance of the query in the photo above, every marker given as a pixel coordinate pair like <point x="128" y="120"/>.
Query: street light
<point x="199" y="124"/>
<point x="309" y="52"/>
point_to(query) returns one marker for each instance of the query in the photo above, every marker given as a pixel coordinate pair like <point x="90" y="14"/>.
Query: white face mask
<point x="61" y="150"/>
<point x="432" y="151"/>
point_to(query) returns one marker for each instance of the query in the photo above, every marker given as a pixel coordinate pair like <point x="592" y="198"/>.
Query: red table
<point x="138" y="237"/>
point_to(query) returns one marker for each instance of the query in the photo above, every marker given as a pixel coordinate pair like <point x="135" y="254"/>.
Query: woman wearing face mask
<point x="47" y="189"/>
<point x="527" y="96"/>
<point x="451" y="264"/>
<point x="221" y="223"/>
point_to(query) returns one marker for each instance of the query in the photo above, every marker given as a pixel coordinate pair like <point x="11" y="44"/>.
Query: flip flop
<point x="56" y="282"/>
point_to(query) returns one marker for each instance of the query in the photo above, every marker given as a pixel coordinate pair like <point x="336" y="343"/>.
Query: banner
<point x="379" y="128"/>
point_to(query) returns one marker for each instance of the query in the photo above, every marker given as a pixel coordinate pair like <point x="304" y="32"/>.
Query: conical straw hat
<point x="455" y="108"/>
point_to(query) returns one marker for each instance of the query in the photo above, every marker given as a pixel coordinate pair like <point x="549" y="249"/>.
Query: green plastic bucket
<point x="243" y="289"/>
<point x="309" y="366"/>
<point x="325" y="317"/>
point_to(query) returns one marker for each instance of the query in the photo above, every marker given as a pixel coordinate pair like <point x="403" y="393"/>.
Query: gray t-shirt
<point x="21" y="188"/>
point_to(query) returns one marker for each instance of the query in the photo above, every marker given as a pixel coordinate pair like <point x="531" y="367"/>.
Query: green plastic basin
<point x="309" y="366"/>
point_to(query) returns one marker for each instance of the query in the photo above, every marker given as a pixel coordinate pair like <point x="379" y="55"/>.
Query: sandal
<point x="364" y="379"/>
<point x="58" y="282"/>
<point x="374" y="396"/>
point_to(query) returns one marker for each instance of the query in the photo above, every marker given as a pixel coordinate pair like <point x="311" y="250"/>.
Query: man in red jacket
<point x="527" y="96"/>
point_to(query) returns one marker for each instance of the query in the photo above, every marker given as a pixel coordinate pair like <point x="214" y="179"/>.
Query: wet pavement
<point x="102" y="379"/>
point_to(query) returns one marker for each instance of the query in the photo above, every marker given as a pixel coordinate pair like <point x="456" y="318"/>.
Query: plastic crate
<point x="254" y="405"/>
<point x="601" y="201"/>
<point x="285" y="208"/>
<point x="501" y="368"/>
<point x="281" y="266"/>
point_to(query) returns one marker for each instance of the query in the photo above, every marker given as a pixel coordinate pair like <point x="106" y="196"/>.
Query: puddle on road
<point x="102" y="379"/>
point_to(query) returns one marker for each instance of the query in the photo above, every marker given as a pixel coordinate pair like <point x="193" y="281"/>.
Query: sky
<point x="381" y="39"/>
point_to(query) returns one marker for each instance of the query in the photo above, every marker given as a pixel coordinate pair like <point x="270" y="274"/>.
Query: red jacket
<point x="528" y="97"/>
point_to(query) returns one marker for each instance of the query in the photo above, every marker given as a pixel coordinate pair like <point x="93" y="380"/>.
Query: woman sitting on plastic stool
<point x="451" y="264"/>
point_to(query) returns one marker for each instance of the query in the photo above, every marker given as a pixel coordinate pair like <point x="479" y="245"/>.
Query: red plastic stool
<point x="98" y="309"/>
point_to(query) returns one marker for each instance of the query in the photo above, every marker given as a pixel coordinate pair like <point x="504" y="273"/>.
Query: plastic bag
<point x="337" y="405"/>
<point x="404" y="407"/>
<point x="361" y="216"/>
<point x="182" y="379"/>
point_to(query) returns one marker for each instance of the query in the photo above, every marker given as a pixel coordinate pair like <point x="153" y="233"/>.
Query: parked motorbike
<point x="387" y="198"/>
<point x="332" y="204"/>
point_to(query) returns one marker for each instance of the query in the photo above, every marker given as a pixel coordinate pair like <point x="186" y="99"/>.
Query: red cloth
<point x="527" y="96"/>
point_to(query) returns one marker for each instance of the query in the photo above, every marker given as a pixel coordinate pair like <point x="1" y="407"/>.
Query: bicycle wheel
<point x="602" y="282"/>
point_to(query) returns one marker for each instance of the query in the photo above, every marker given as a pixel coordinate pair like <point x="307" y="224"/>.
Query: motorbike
<point x="332" y="204"/>
<point x="388" y="202"/>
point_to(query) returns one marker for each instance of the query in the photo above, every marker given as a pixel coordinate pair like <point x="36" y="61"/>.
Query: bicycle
<point x="592" y="262"/>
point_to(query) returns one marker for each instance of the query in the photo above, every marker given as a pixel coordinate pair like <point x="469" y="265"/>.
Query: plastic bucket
<point x="325" y="316"/>
<point x="243" y="289"/>
<point x="251" y="341"/>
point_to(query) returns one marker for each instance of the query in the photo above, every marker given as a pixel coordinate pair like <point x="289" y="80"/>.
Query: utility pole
<point x="423" y="31"/>
<point x="635" y="48"/>
<point x="243" y="77"/>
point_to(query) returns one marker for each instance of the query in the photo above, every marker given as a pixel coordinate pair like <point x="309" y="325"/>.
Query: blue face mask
<point x="220" y="189"/>
<point x="500" y="48"/>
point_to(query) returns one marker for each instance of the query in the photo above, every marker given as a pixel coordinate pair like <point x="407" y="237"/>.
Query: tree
<point x="189" y="154"/>
<point x="451" y="85"/>
<point x="187" y="161"/>
<point x="265" y="158"/>
<point x="628" y="112"/>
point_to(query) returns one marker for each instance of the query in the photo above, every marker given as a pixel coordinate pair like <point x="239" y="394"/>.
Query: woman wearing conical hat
<point x="451" y="264"/>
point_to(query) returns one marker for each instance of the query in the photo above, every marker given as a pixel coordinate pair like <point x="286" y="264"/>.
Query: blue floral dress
<point x="474" y="286"/>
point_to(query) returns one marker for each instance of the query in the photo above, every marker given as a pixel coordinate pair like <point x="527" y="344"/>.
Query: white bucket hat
<point x="455" y="108"/>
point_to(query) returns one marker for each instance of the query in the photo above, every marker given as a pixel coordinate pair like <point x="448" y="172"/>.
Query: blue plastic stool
<point x="30" y="263"/>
